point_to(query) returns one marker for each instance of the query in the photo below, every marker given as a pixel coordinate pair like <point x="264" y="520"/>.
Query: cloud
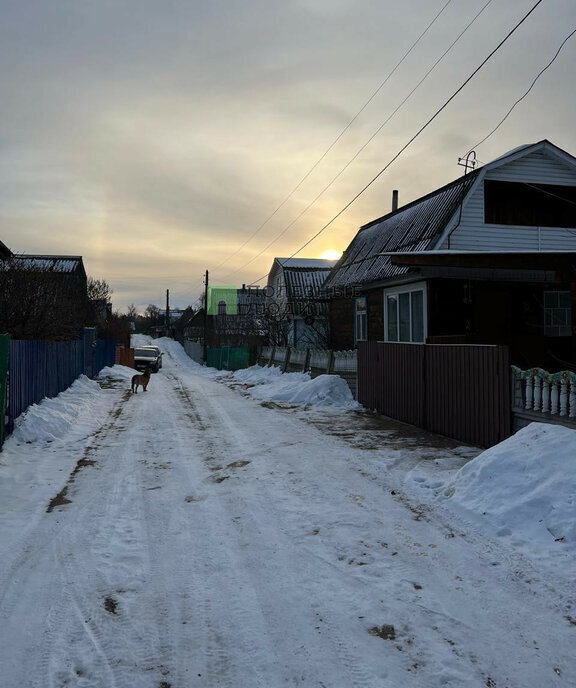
<point x="157" y="137"/>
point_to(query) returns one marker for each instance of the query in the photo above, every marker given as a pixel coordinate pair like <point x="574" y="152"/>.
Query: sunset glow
<point x="331" y="254"/>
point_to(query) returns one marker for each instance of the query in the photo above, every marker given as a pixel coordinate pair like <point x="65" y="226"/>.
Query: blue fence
<point x="39" y="369"/>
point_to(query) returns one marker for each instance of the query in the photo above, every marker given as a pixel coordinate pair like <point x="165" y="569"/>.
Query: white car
<point x="148" y="357"/>
<point x="156" y="350"/>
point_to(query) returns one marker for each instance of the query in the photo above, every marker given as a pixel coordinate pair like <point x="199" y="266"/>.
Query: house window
<point x="557" y="314"/>
<point x="529" y="205"/>
<point x="360" y="319"/>
<point x="405" y="314"/>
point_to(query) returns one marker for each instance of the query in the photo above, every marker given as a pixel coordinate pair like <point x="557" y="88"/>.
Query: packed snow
<point x="270" y="384"/>
<point x="259" y="529"/>
<point x="524" y="489"/>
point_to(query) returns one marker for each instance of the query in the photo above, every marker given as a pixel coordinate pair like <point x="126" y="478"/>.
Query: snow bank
<point x="525" y="487"/>
<point x="261" y="375"/>
<point x="52" y="418"/>
<point x="118" y="372"/>
<point x="176" y="351"/>
<point x="325" y="391"/>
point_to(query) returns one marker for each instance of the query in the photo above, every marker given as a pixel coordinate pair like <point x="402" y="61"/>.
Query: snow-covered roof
<point x="60" y="264"/>
<point x="306" y="263"/>
<point x="414" y="227"/>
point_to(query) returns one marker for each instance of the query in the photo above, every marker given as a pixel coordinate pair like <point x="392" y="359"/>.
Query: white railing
<point x="279" y="354"/>
<point x="297" y="357"/>
<point x="539" y="391"/>
<point x="266" y="352"/>
<point x="345" y="361"/>
<point x="319" y="359"/>
<point x="339" y="362"/>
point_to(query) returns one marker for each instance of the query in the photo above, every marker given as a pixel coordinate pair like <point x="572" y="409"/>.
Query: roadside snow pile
<point x="325" y="391"/>
<point x="525" y="487"/>
<point x="179" y="356"/>
<point x="52" y="418"/>
<point x="117" y="372"/>
<point x="261" y="375"/>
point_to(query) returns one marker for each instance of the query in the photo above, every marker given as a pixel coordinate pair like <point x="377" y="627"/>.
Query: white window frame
<point x="407" y="289"/>
<point x="364" y="316"/>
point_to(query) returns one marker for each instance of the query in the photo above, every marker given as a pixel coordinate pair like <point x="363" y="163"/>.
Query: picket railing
<point x="307" y="360"/>
<point x="539" y="391"/>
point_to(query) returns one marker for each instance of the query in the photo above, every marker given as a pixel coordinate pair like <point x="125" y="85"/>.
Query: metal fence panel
<point x="4" y="356"/>
<point x="458" y="391"/>
<point x="39" y="369"/>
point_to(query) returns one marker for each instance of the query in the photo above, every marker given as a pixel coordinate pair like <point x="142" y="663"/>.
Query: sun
<point x="330" y="254"/>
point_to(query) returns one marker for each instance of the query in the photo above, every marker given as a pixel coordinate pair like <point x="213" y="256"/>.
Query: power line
<point x="340" y="135"/>
<point x="372" y="137"/>
<point x="525" y="94"/>
<point x="422" y="128"/>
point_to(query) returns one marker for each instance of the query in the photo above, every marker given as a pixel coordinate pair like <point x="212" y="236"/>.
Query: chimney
<point x="395" y="200"/>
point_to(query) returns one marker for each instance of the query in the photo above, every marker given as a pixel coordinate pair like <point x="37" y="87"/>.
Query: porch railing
<point x="551" y="394"/>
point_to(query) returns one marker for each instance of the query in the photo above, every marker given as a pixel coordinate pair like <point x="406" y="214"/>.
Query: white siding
<point x="473" y="235"/>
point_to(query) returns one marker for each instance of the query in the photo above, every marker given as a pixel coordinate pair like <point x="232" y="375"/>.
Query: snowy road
<point x="191" y="537"/>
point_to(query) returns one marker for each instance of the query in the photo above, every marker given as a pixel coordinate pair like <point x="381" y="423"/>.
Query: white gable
<point x="468" y="230"/>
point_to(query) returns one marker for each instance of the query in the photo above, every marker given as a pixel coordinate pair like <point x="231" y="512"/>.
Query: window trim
<point x="407" y="289"/>
<point x="364" y="318"/>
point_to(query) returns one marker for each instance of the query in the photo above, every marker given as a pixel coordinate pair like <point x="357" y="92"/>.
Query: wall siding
<point x="473" y="235"/>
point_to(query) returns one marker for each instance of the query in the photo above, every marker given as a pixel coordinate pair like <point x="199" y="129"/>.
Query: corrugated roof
<point x="306" y="263"/>
<point x="62" y="264"/>
<point x="414" y="227"/>
<point x="302" y="283"/>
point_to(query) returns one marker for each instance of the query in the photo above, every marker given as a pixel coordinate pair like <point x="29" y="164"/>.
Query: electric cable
<point x="372" y="137"/>
<point x="340" y="135"/>
<point x="525" y="94"/>
<point x="422" y="128"/>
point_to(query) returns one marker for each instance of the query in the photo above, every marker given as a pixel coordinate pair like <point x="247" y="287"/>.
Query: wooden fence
<point x="458" y="391"/>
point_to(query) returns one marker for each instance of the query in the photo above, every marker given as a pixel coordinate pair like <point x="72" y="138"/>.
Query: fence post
<point x="306" y="361"/>
<point x="330" y="362"/>
<point x="272" y="353"/>
<point x="286" y="359"/>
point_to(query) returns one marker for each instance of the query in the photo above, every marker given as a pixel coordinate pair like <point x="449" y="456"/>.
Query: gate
<point x="462" y="392"/>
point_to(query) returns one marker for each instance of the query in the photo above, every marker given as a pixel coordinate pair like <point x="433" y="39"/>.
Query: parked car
<point x="147" y="357"/>
<point x="157" y="350"/>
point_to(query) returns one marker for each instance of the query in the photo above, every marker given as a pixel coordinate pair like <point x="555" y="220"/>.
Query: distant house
<point x="487" y="259"/>
<point x="43" y="297"/>
<point x="235" y="318"/>
<point x="297" y="312"/>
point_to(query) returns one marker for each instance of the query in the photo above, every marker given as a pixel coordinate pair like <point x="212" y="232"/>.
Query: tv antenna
<point x="469" y="162"/>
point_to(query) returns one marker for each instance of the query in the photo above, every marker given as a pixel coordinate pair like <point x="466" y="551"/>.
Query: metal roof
<point x="306" y="263"/>
<point x="414" y="227"/>
<point x="302" y="283"/>
<point x="60" y="264"/>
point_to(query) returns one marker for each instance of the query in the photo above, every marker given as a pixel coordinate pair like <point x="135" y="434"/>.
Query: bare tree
<point x="98" y="289"/>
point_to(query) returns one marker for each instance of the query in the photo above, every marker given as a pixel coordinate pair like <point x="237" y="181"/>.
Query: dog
<point x="141" y="380"/>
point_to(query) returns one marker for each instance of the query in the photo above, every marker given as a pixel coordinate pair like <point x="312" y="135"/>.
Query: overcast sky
<point x="154" y="138"/>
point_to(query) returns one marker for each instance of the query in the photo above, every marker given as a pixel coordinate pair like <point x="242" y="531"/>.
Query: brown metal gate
<point x="458" y="391"/>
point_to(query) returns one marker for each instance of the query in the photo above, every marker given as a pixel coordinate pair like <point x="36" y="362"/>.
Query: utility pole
<point x="167" y="312"/>
<point x="205" y="354"/>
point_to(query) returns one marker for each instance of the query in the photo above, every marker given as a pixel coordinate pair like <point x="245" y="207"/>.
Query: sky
<point x="162" y="139"/>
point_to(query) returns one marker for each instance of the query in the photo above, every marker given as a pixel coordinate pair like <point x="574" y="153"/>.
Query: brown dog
<point x="142" y="380"/>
